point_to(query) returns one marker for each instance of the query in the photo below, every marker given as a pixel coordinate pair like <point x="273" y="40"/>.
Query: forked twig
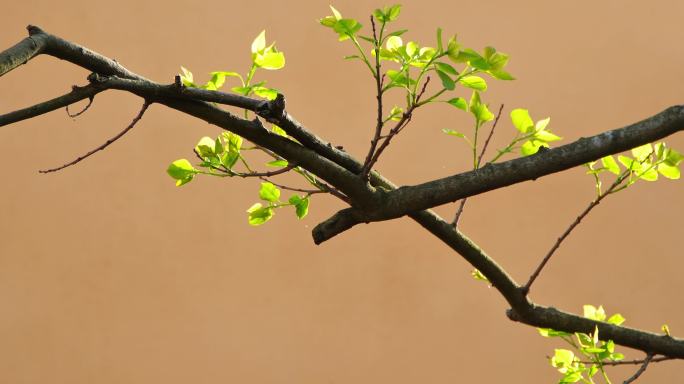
<point x="642" y="369"/>
<point x="526" y="288"/>
<point x="82" y="111"/>
<point x="461" y="206"/>
<point x="106" y="144"/>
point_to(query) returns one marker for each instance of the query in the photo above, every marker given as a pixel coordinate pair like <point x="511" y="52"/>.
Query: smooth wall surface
<point x="110" y="274"/>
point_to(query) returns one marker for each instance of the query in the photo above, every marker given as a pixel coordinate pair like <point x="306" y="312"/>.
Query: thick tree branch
<point x="77" y="94"/>
<point x="545" y="162"/>
<point x="408" y="199"/>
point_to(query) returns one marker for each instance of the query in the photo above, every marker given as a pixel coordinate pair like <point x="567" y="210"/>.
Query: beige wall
<point x="110" y="274"/>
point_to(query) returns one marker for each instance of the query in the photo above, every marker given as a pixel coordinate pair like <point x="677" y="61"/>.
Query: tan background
<point x="110" y="274"/>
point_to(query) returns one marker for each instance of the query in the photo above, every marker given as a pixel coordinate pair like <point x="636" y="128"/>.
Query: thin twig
<point x="380" y="123"/>
<point x="106" y="144"/>
<point x="403" y="122"/>
<point x="231" y="173"/>
<point x="461" y="206"/>
<point x="526" y="288"/>
<point x="282" y="186"/>
<point x="642" y="369"/>
<point x="77" y="114"/>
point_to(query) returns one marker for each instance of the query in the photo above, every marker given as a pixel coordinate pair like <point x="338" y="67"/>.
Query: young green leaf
<point x="521" y="120"/>
<point x="187" y="78"/>
<point x="640" y="153"/>
<point x="206" y="147"/>
<point x="610" y="164"/>
<point x="394" y="43"/>
<point x="474" y="82"/>
<point x="301" y="205"/>
<point x="277" y="163"/>
<point x="447" y="82"/>
<point x="270" y="59"/>
<point x="266" y="93"/>
<point x="269" y="192"/>
<point x="446" y="68"/>
<point x="259" y="42"/>
<point x="259" y="214"/>
<point x="459" y="103"/>
<point x="451" y="132"/>
<point x="182" y="171"/>
<point x="278" y="131"/>
<point x="669" y="171"/>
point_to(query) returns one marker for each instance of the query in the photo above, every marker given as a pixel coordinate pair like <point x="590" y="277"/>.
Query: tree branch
<point x="76" y="94"/>
<point x="408" y="199"/>
<point x="369" y="204"/>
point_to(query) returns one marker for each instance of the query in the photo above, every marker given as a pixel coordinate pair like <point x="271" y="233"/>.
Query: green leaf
<point x="219" y="77"/>
<point x="218" y="146"/>
<point x="182" y="171"/>
<point x="266" y="93"/>
<point x="396" y="113"/>
<point x="616" y="319"/>
<point x="446" y="68"/>
<point x="642" y="152"/>
<point x="673" y="157"/>
<point x="242" y="90"/>
<point x="393" y="43"/>
<point x="463" y="55"/>
<point x="346" y="28"/>
<point x="277" y="163"/>
<point x="531" y="147"/>
<point x="278" y="131"/>
<point x="399" y="78"/>
<point x="439" y="39"/>
<point x="593" y="350"/>
<point x="479" y="110"/>
<point x="649" y="174"/>
<point x="259" y="42"/>
<point x="548" y="332"/>
<point x="336" y="13"/>
<point x="500" y="74"/>
<point x="669" y="171"/>
<point x="459" y="103"/>
<point x="611" y="165"/>
<point x="187" y="78"/>
<point x="522" y="120"/>
<point x="269" y="192"/>
<point x="453" y="48"/>
<point x="591" y="312"/>
<point x="328" y="21"/>
<point x="259" y="214"/>
<point x="453" y="133"/>
<point x="206" y="147"/>
<point x="271" y="60"/>
<point x="397" y="33"/>
<point x="393" y="12"/>
<point x="629" y="163"/>
<point x="234" y="141"/>
<point x="447" y="81"/>
<point x="546" y="136"/>
<point x="301" y="205"/>
<point x="474" y="82"/>
<point x="562" y="358"/>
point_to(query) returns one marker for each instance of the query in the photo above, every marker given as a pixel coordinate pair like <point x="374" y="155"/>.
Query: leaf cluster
<point x="590" y="352"/>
